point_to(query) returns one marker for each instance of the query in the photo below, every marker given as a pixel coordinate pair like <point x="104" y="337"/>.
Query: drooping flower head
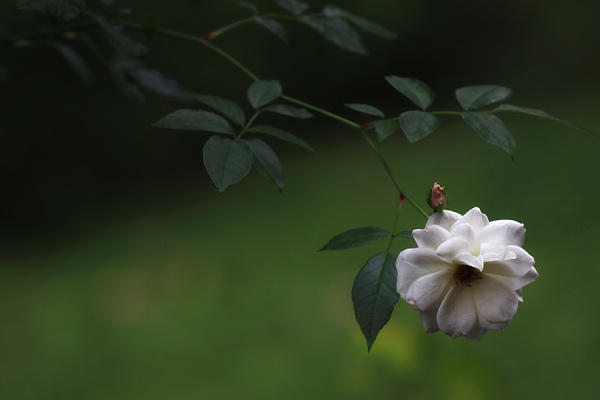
<point x="466" y="275"/>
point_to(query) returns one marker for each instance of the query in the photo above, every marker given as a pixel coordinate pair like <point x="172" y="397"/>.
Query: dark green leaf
<point x="374" y="295"/>
<point x="61" y="9"/>
<point x="418" y="124"/>
<point x="226" y="107"/>
<point x="356" y="237"/>
<point x="263" y="92"/>
<point x="266" y="161"/>
<point x="366" y="109"/>
<point x="108" y="2"/>
<point x="537" y="113"/>
<point x="362" y="23"/>
<point x="195" y="120"/>
<point x="226" y="161"/>
<point x="417" y="91"/>
<point x="76" y="62"/>
<point x="118" y="39"/>
<point x="385" y="128"/>
<point x="248" y="5"/>
<point x="474" y="97"/>
<point x="290" y="111"/>
<point x="337" y="31"/>
<point x="281" y="134"/>
<point x="491" y="129"/>
<point x="155" y="81"/>
<point x="293" y="6"/>
<point x="273" y="26"/>
<point x="407" y="235"/>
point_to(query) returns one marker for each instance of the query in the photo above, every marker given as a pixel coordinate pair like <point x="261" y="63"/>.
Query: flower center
<point x="465" y="275"/>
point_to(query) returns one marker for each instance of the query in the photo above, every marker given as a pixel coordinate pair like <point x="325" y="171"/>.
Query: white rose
<point x="466" y="275"/>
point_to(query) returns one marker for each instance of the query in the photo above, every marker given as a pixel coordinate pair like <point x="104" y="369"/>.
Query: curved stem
<point x="251" y="75"/>
<point x="248" y="124"/>
<point x="226" y="28"/>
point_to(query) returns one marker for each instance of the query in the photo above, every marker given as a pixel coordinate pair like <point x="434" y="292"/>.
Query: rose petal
<point x="430" y="237"/>
<point x="429" y="290"/>
<point x="503" y="231"/>
<point x="516" y="263"/>
<point x="458" y="316"/>
<point x="475" y="218"/>
<point x="444" y="218"/>
<point x="451" y="248"/>
<point x="496" y="303"/>
<point x="463" y="231"/>
<point x="413" y="264"/>
<point x="470" y="260"/>
<point x="515" y="282"/>
<point x="494" y="252"/>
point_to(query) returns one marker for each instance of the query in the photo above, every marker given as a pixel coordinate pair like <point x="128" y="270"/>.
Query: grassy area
<point x="227" y="298"/>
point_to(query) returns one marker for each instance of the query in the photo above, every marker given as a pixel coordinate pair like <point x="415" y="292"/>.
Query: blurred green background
<point x="124" y="275"/>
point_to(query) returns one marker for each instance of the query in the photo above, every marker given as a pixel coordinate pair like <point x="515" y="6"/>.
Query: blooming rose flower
<point x="466" y="275"/>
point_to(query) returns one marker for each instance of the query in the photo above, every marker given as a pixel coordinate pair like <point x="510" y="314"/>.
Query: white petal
<point x="515" y="263"/>
<point x="444" y="218"/>
<point x="470" y="260"/>
<point x="496" y="303"/>
<point x="475" y="218"/>
<point x="429" y="290"/>
<point x="463" y="231"/>
<point x="493" y="252"/>
<point x="451" y="248"/>
<point x="431" y="236"/>
<point x="503" y="232"/>
<point x="412" y="264"/>
<point x="429" y="320"/>
<point x="458" y="316"/>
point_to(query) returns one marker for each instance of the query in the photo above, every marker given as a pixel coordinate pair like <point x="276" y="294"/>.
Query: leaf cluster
<point x="229" y="159"/>
<point x="336" y="25"/>
<point x="418" y="124"/>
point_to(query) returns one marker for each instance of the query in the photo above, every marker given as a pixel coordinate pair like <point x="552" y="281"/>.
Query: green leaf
<point x="226" y="107"/>
<point x="385" y="128"/>
<point x="366" y="109"/>
<point x="293" y="6"/>
<point x="474" y="97"/>
<point x="374" y="295"/>
<point x="250" y="6"/>
<point x="491" y="129"/>
<point x="289" y="111"/>
<point x="417" y="91"/>
<point x="362" y="23"/>
<point x="226" y="161"/>
<point x="263" y="92"/>
<point x="61" y="9"/>
<point x="418" y="124"/>
<point x="119" y="40"/>
<point x="337" y="31"/>
<point x="281" y="134"/>
<point x="539" y="113"/>
<point x="407" y="235"/>
<point x="273" y="26"/>
<point x="356" y="237"/>
<point x="266" y="161"/>
<point x="155" y="81"/>
<point x="195" y="120"/>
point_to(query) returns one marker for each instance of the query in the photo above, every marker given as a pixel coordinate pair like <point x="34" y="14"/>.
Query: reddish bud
<point x="437" y="198"/>
<point x="401" y="200"/>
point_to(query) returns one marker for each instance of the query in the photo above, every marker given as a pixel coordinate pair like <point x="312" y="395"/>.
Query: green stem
<point x="393" y="236"/>
<point x="322" y="111"/>
<point x="251" y="75"/>
<point x="248" y="125"/>
<point x="233" y="25"/>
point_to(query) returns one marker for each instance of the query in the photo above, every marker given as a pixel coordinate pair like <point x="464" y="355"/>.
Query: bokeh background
<point x="124" y="275"/>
